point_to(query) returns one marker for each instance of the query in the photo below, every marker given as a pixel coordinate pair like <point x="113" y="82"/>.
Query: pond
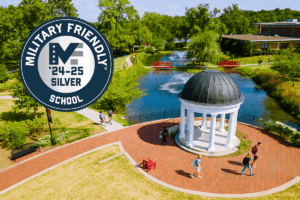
<point x="163" y="87"/>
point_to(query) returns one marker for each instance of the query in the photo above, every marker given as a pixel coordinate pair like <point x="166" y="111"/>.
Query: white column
<point x="187" y="123"/>
<point x="211" y="147"/>
<point x="278" y="46"/>
<point x="191" y="128"/>
<point x="203" y="126"/>
<point x="182" y="117"/>
<point x="230" y="130"/>
<point x="235" y="124"/>
<point x="222" y="122"/>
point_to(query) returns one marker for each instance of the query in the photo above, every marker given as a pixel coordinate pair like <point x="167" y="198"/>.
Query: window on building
<point x="283" y="45"/>
<point x="264" y="47"/>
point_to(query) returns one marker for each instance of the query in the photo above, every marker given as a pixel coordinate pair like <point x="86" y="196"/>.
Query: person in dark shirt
<point x="246" y="163"/>
<point x="165" y="135"/>
<point x="110" y="114"/>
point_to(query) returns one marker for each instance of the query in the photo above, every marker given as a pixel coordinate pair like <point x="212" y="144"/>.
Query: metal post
<point x="164" y="114"/>
<point x="178" y="113"/>
<point x="253" y="120"/>
<point x="51" y="134"/>
<point x="50" y="128"/>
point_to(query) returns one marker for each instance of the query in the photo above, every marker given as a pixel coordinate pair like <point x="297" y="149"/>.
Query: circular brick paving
<point x="280" y="162"/>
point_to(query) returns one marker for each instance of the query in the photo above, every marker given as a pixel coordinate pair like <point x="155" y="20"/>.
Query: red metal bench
<point x="162" y="65"/>
<point x="149" y="164"/>
<point x="229" y="63"/>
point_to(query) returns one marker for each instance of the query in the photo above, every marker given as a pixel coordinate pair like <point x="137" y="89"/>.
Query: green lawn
<point x="120" y="62"/>
<point x="254" y="59"/>
<point x="85" y="178"/>
<point x="251" y="70"/>
<point x="5" y="93"/>
<point x="196" y="69"/>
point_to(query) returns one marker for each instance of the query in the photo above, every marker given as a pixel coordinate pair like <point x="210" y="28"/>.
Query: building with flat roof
<point x="277" y="35"/>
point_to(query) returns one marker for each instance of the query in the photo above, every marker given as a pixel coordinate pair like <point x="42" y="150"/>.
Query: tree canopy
<point x="288" y="63"/>
<point x="205" y="47"/>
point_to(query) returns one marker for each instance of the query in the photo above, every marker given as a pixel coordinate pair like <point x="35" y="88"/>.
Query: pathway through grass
<point x="85" y="178"/>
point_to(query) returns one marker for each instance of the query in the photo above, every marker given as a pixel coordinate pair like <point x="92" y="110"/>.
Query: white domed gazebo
<point x="215" y="93"/>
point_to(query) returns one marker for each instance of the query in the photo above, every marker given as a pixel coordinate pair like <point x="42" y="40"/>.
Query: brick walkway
<point x="280" y="162"/>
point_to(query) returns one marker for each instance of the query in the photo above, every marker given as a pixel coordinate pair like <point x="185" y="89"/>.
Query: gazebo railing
<point x="175" y="113"/>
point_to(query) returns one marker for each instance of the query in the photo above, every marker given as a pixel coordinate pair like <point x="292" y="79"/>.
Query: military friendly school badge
<point x="66" y="64"/>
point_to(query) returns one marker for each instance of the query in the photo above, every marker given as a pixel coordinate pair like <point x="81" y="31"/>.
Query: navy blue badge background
<point x="41" y="92"/>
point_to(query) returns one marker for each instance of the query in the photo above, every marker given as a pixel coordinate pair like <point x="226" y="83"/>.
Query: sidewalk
<point x="94" y="116"/>
<point x="8" y="97"/>
<point x="129" y="62"/>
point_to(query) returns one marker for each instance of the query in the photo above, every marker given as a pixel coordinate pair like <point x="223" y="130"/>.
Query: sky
<point x="89" y="11"/>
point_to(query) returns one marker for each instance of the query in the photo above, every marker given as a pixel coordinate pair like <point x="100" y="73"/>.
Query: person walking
<point x="102" y="117"/>
<point x="255" y="152"/>
<point x="246" y="163"/>
<point x="196" y="163"/>
<point x="110" y="114"/>
<point x="165" y="135"/>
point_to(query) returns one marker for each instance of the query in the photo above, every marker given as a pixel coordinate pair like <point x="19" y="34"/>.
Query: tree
<point x="122" y="90"/>
<point x="247" y="48"/>
<point x="235" y="21"/>
<point x="118" y="21"/>
<point x="205" y="47"/>
<point x="288" y="63"/>
<point x="3" y="74"/>
<point x="170" y="44"/>
<point x="24" y="99"/>
<point x="16" y="23"/>
<point x="57" y="8"/>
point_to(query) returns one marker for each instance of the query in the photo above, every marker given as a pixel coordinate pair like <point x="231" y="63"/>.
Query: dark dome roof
<point x="212" y="87"/>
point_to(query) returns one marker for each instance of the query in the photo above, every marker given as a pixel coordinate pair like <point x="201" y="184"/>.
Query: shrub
<point x="44" y="141"/>
<point x="282" y="130"/>
<point x="150" y="50"/>
<point x="36" y="126"/>
<point x="8" y="85"/>
<point x="3" y="75"/>
<point x="13" y="134"/>
<point x="260" y="61"/>
<point x="256" y="52"/>
<point x="57" y="139"/>
<point x="295" y="139"/>
<point x="173" y="134"/>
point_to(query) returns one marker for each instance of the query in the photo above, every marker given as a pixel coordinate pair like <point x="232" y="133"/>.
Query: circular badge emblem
<point x="66" y="64"/>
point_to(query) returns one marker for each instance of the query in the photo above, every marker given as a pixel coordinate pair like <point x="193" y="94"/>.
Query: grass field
<point x="120" y="62"/>
<point x="254" y="59"/>
<point x="196" y="69"/>
<point x="85" y="178"/>
<point x="5" y="93"/>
